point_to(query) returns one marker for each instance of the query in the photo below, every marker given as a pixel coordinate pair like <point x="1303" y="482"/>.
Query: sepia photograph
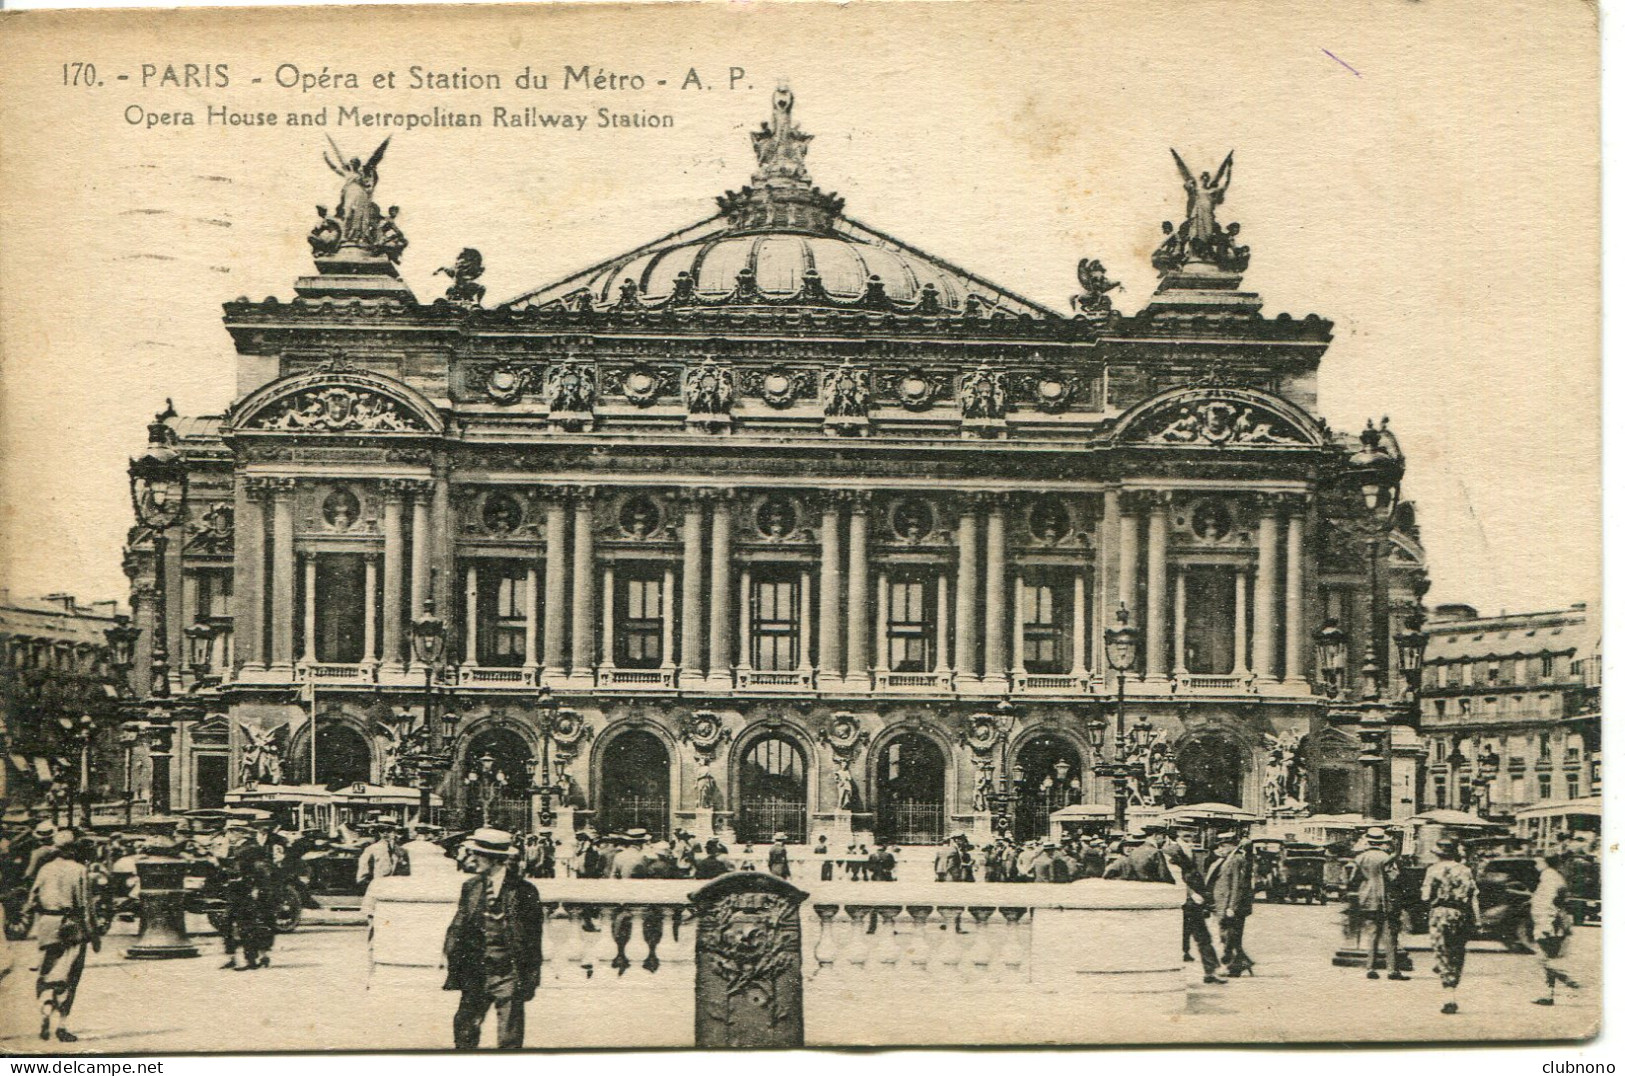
<point x="776" y="525"/>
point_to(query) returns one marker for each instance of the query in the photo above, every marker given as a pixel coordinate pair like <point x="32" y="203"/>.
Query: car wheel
<point x="288" y="910"/>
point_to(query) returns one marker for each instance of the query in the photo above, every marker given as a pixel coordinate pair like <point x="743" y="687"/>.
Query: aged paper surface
<point x="835" y="446"/>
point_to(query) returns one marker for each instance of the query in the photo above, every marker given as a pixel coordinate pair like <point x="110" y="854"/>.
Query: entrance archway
<point x="343" y="756"/>
<point x="496" y="779"/>
<point x="772" y="791"/>
<point x="910" y="791"/>
<point x="1051" y="776"/>
<point x="1212" y="766"/>
<point x="634" y="784"/>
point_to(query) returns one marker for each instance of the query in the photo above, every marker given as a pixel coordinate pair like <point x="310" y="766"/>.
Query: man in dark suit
<point x="494" y="944"/>
<point x="1230" y="880"/>
<point x="1147" y="862"/>
<point x="1198" y="905"/>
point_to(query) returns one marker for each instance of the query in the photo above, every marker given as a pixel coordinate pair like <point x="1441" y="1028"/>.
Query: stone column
<point x="421" y="544"/>
<point x="1080" y="625"/>
<point x="1018" y="644"/>
<point x="721" y="650"/>
<point x="1128" y="554"/>
<point x="606" y="657"/>
<point x="996" y="663"/>
<point x="443" y="543"/>
<point x="804" y="619"/>
<point x="857" y="593"/>
<point x="1180" y="668"/>
<point x="1108" y="532"/>
<point x="471" y="614"/>
<point x="744" y="662"/>
<point x="394" y="571"/>
<point x="584" y="621"/>
<point x="310" y="608"/>
<point x="882" y="622"/>
<point x="668" y="657"/>
<point x="1156" y="588"/>
<point x="1239" y="663"/>
<point x="530" y="618"/>
<point x="369" y="622"/>
<point x="1264" y="592"/>
<point x="830" y="665"/>
<point x="553" y="598"/>
<point x="965" y="596"/>
<point x="942" y="668"/>
<point x="693" y="663"/>
<point x="248" y="593"/>
<point x="1294" y="593"/>
<point x="282" y="570"/>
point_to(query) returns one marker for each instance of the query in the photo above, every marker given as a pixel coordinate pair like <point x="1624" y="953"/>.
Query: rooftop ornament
<point x="781" y="194"/>
<point x="1200" y="239"/>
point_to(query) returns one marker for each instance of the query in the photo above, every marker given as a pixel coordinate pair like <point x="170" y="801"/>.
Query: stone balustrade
<point x="884" y="963"/>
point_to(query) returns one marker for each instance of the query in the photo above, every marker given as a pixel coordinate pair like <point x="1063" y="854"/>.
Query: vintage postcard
<point x="794" y="524"/>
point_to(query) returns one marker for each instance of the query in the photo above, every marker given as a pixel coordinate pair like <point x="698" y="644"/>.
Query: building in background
<point x="776" y="523"/>
<point x="56" y="699"/>
<point x="1511" y="708"/>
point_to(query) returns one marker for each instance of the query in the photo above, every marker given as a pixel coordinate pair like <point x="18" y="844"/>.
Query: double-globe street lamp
<point x="1122" y="654"/>
<point x="430" y="755"/>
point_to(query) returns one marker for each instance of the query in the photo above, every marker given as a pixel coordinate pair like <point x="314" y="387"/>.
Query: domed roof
<point x="782" y="242"/>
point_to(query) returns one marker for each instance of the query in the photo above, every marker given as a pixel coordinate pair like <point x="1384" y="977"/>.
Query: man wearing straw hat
<point x="494" y="944"/>
<point x="1375" y="871"/>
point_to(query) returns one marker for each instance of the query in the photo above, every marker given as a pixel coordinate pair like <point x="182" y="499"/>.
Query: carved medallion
<point x="501" y="513"/>
<point x="640" y="516"/>
<point x="1049" y="520"/>
<point x="913" y="519"/>
<point x="916" y="390"/>
<point x="778" y="386"/>
<point x="776" y="517"/>
<point x="340" y="509"/>
<point x="643" y="384"/>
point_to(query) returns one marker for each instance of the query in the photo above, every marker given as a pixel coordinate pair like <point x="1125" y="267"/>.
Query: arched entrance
<point x="772" y="790"/>
<point x="343" y="756"/>
<point x="634" y="784"/>
<point x="1051" y="776"/>
<point x="496" y="780"/>
<point x="1212" y="765"/>
<point x="910" y="791"/>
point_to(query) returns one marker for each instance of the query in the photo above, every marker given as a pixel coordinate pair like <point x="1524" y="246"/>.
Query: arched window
<point x="910" y="791"/>
<point x="634" y="784"/>
<point x="1051" y="776"/>
<point x="772" y="791"/>
<point x="496" y="779"/>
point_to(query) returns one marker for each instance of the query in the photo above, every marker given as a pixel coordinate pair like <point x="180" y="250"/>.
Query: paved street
<point x="316" y="995"/>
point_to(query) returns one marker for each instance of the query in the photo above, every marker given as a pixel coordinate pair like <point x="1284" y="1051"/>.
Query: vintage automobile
<point x="1506" y="875"/>
<point x="1299" y="874"/>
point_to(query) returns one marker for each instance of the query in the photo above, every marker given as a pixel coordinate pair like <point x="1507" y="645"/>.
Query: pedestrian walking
<point x="826" y="869"/>
<point x="1451" y="895"/>
<point x="251" y="901"/>
<point x="1372" y="903"/>
<point x="946" y="863"/>
<point x="1146" y="863"/>
<point x="64" y="929"/>
<point x="380" y="859"/>
<point x="1198" y="905"/>
<point x="778" y="857"/>
<point x="1552" y="924"/>
<point x="494" y="944"/>
<point x="1230" y="879"/>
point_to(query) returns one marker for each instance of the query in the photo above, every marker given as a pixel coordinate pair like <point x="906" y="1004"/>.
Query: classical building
<point x="55" y="672"/>
<point x="1511" y="708"/>
<point x="775" y="523"/>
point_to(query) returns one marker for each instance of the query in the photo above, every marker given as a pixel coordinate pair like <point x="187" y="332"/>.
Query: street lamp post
<point x="158" y="482"/>
<point x="1486" y="768"/>
<point x="1122" y="653"/>
<point x="1331" y="653"/>
<point x="546" y="707"/>
<point x="83" y="732"/>
<point x="429" y="647"/>
<point x="200" y="652"/>
<point x="121" y="639"/>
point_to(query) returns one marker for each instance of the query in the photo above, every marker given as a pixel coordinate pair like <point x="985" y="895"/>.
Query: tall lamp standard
<point x="81" y="732"/>
<point x="121" y="639"/>
<point x="429" y="647"/>
<point x="1122" y="653"/>
<point x="546" y="707"/>
<point x="1486" y="769"/>
<point x="158" y="493"/>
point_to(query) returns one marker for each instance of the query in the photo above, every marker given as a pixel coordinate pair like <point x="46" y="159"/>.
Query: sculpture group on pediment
<point x="357" y="222"/>
<point x="982" y="395"/>
<point x="1199" y="237"/>
<point x="337" y="410"/>
<point x="1221" y="422"/>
